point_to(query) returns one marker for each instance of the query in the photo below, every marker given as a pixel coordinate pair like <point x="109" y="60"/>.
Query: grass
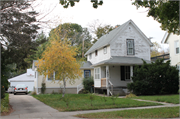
<point x="83" y="102"/>
<point x="165" y="112"/>
<point x="161" y="98"/>
<point x="5" y="103"/>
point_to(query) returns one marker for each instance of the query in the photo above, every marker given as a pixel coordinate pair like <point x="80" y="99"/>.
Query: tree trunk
<point x="64" y="81"/>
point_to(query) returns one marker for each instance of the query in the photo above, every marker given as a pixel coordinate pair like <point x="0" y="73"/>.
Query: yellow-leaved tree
<point x="59" y="58"/>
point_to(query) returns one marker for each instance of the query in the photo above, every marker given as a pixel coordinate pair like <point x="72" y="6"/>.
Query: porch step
<point x="119" y="91"/>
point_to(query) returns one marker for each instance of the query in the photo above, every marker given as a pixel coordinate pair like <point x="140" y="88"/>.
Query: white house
<point x="110" y="61"/>
<point x="174" y="48"/>
<point x="26" y="78"/>
<point x="114" y="55"/>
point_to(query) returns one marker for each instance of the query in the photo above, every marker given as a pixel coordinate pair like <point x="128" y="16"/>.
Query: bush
<point x="5" y="103"/>
<point x="43" y="88"/>
<point x="155" y="78"/>
<point x="88" y="83"/>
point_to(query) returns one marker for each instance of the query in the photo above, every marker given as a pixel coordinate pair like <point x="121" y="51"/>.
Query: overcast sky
<point x="112" y="12"/>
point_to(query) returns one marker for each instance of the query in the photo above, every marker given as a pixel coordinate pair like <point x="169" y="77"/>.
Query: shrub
<point x="155" y="78"/>
<point x="43" y="88"/>
<point x="88" y="83"/>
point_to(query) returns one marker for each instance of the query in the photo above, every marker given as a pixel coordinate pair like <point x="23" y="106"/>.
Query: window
<point x="51" y="77"/>
<point x="90" y="56"/>
<point x="96" y="53"/>
<point x="97" y="73"/>
<point x="130" y="46"/>
<point x="87" y="73"/>
<point x="125" y="73"/>
<point x="176" y="43"/>
<point x="105" y="50"/>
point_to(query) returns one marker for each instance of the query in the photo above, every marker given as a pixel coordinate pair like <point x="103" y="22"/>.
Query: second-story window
<point x="90" y="56"/>
<point x="96" y="53"/>
<point x="105" y="50"/>
<point x="130" y="46"/>
<point x="176" y="43"/>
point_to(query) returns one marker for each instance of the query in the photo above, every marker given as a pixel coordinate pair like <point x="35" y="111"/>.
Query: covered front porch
<point x="113" y="75"/>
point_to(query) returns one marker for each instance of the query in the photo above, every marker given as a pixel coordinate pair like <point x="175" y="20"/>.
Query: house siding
<point x="175" y="58"/>
<point x="100" y="57"/>
<point x="115" y="77"/>
<point x="141" y="46"/>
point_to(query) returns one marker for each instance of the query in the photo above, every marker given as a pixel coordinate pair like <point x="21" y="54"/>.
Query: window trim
<point x="89" y="71"/>
<point x="53" y="77"/>
<point x="127" y="47"/>
<point x="105" y="50"/>
<point x="123" y="73"/>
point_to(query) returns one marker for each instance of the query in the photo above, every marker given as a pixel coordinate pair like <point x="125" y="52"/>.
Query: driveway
<point x="26" y="106"/>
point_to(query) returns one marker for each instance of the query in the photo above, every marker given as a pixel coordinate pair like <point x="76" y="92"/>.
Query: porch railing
<point x="79" y="87"/>
<point x="111" y="85"/>
<point x="103" y="82"/>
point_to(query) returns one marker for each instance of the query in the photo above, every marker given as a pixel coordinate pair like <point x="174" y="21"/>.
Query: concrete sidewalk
<point x="31" y="108"/>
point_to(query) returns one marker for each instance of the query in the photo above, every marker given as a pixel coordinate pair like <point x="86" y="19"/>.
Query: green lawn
<point x="162" y="98"/>
<point x="5" y="103"/>
<point x="83" y="102"/>
<point x="165" y="112"/>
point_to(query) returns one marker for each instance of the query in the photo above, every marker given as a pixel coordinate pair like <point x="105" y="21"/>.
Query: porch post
<point x="107" y="79"/>
<point x="131" y="72"/>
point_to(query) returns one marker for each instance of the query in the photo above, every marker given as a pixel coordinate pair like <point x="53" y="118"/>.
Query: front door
<point x="97" y="77"/>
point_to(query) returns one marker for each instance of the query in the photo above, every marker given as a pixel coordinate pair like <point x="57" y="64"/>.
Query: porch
<point x="114" y="74"/>
<point x="112" y="80"/>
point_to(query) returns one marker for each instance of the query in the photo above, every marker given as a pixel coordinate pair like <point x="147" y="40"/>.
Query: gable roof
<point x="109" y="37"/>
<point x="86" y="65"/>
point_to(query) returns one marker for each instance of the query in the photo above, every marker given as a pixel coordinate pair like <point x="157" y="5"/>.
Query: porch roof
<point x="120" y="60"/>
<point x="86" y="65"/>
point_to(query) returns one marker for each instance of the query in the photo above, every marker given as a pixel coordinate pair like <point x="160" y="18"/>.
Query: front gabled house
<point x="113" y="57"/>
<point x="110" y="61"/>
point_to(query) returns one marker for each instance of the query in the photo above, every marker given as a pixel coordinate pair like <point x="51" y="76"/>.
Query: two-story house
<point x="114" y="55"/>
<point x="174" y="48"/>
<point x="110" y="61"/>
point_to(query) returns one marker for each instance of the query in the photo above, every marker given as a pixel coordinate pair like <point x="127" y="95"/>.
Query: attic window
<point x="96" y="53"/>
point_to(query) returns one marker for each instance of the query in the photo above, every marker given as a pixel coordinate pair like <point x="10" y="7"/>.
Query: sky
<point x="112" y="12"/>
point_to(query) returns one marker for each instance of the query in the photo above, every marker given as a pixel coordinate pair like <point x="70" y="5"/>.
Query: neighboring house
<point x="58" y="87"/>
<point x="164" y="56"/>
<point x="110" y="61"/>
<point x="115" y="54"/>
<point x="26" y="78"/>
<point x="174" y="48"/>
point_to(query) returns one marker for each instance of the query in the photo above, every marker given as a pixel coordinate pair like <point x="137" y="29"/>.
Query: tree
<point x="39" y="46"/>
<point x="100" y="29"/>
<point x="166" y="12"/>
<point x="59" y="57"/>
<point x="155" y="78"/>
<point x="77" y="36"/>
<point x="155" y="49"/>
<point x="18" y="30"/>
<point x="66" y="3"/>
